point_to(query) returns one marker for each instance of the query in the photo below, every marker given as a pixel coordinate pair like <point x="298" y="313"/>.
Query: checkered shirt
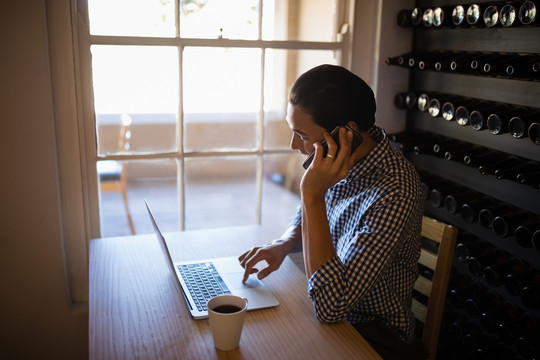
<point x="375" y="217"/>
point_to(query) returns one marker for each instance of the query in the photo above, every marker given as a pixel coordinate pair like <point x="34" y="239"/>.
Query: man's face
<point x="305" y="131"/>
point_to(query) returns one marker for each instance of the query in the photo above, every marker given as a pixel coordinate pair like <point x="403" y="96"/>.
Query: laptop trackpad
<point x="258" y="296"/>
<point x="234" y="280"/>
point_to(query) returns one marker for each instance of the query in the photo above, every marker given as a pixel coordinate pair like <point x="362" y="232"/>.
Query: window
<point x="188" y="100"/>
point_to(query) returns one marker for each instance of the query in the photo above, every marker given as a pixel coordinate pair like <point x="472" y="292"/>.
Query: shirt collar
<point x="373" y="158"/>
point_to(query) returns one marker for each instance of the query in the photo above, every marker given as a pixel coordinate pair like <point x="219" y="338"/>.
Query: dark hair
<point x="334" y="96"/>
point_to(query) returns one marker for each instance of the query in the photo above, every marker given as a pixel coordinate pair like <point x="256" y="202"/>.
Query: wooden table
<point x="138" y="312"/>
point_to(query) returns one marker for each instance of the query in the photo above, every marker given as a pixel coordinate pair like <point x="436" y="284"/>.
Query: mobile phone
<point x="357" y="140"/>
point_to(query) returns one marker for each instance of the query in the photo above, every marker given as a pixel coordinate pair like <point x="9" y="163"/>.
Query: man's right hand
<point x="273" y="253"/>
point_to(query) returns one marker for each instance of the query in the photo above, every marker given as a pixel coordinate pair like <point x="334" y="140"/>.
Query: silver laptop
<point x="201" y="280"/>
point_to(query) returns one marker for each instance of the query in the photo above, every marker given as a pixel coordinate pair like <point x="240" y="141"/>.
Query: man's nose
<point x="295" y="143"/>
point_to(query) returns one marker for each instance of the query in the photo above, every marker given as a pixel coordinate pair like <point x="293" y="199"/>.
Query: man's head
<point x="325" y="97"/>
<point x="334" y="96"/>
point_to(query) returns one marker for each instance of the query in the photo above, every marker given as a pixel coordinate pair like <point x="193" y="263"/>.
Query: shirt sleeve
<point x="296" y="220"/>
<point x="363" y="254"/>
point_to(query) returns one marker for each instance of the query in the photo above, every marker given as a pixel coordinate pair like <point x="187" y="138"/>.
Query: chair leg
<point x="128" y="213"/>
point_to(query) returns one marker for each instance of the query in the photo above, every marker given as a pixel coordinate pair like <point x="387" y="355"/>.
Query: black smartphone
<point x="357" y="140"/>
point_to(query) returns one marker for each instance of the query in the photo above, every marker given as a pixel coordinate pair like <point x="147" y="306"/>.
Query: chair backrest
<point x="434" y="290"/>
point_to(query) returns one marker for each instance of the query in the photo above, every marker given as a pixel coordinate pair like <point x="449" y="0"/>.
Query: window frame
<point x="86" y="40"/>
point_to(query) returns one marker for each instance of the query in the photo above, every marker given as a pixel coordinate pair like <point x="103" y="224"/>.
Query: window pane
<point x="132" y="17"/>
<point x="210" y="19"/>
<point x="221" y="95"/>
<point x="282" y="68"/>
<point x="220" y="192"/>
<point x="280" y="199"/>
<point x="137" y="84"/>
<point x="154" y="180"/>
<point x="305" y="20"/>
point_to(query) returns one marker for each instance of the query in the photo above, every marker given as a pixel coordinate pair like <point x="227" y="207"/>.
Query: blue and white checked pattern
<point x="375" y="218"/>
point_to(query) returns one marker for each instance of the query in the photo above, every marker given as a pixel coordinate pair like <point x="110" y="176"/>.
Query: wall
<point x="36" y="317"/>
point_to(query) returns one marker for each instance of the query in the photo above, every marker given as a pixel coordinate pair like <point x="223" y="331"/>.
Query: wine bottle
<point x="514" y="283"/>
<point x="511" y="173"/>
<point x="458" y="296"/>
<point x="478" y="117"/>
<point x="536" y="240"/>
<point x="423" y="101"/>
<point x="497" y="122"/>
<point x="518" y="125"/>
<point x="461" y="62"/>
<point x="529" y="178"/>
<point x="466" y="250"/>
<point x="530" y="296"/>
<point x="401" y="60"/>
<point x="510" y="331"/>
<point x="488" y="214"/>
<point x="491" y="16"/>
<point x="458" y="15"/>
<point x="410" y="100"/>
<point x="404" y="18"/>
<point x="459" y="328"/>
<point x="476" y="344"/>
<point x="438" y="193"/>
<point x="416" y="16"/>
<point x="470" y="210"/>
<point x="441" y="147"/>
<point x="449" y="107"/>
<point x="483" y="303"/>
<point x="507" y="15"/>
<point x="495" y="274"/>
<point x="462" y="113"/>
<point x="439" y="17"/>
<point x="427" y="17"/>
<point x="458" y="279"/>
<point x="480" y="156"/>
<point x="534" y="132"/>
<point x="506" y="225"/>
<point x="405" y="100"/>
<point x="523" y="67"/>
<point x="500" y="65"/>
<point x="436" y="101"/>
<point x="524" y="233"/>
<point x="490" y="168"/>
<point x="490" y="320"/>
<point x="404" y="141"/>
<point x="477" y="263"/>
<point x="425" y="145"/>
<point x="454" y="202"/>
<point x="528" y="13"/>
<point x="432" y="60"/>
<point x="478" y="64"/>
<point x="528" y="345"/>
<point x="458" y="154"/>
<point x="473" y="14"/>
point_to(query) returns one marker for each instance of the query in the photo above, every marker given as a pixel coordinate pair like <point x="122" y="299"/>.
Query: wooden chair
<point x="434" y="290"/>
<point x="113" y="174"/>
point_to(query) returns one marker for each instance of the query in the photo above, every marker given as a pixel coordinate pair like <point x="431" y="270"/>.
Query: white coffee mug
<point x="226" y="314"/>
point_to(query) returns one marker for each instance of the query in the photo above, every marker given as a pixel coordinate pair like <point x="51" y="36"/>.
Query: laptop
<point x="200" y="280"/>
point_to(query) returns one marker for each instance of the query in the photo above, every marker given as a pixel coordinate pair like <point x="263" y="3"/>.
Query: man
<point x="360" y="217"/>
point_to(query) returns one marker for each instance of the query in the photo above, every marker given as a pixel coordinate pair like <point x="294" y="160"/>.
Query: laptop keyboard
<point x="203" y="282"/>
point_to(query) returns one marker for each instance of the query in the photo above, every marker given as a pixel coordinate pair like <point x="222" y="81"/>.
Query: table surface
<point x="138" y="312"/>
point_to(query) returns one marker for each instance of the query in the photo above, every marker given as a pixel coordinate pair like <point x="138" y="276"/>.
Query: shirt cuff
<point x="329" y="272"/>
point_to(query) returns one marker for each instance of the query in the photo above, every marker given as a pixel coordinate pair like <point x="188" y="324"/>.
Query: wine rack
<point x="493" y="322"/>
